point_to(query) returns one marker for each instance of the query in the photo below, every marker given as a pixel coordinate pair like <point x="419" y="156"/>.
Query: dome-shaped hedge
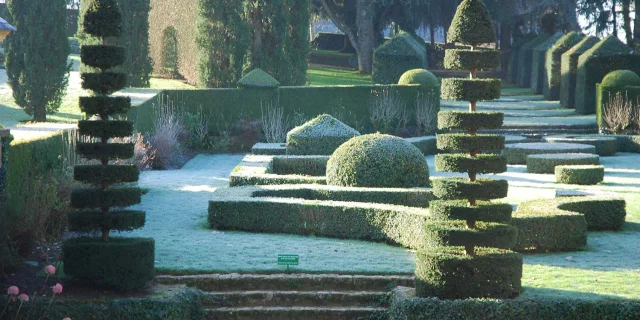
<point x="420" y="76"/>
<point x="378" y="160"/>
<point x="621" y="78"/>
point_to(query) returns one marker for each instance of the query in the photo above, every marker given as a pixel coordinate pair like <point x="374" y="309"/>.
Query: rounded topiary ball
<point x="420" y="76"/>
<point x="378" y="160"/>
<point x="621" y="78"/>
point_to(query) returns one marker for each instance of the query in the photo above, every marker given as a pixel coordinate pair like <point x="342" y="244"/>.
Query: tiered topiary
<point x="467" y="240"/>
<point x="123" y="263"/>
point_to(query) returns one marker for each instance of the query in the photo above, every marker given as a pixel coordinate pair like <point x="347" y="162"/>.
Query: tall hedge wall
<point x="608" y="55"/>
<point x="568" y="71"/>
<point x="553" y="62"/>
<point x="538" y="71"/>
<point x="135" y="39"/>
<point x="514" y="57"/>
<point x="180" y="15"/>
<point x="225" y="106"/>
<point x="397" y="56"/>
<point x="525" y="62"/>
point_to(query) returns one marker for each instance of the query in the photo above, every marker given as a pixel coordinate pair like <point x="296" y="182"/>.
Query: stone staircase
<point x="293" y="296"/>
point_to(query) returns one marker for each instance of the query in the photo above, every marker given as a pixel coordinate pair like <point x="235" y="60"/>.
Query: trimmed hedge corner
<point x="517" y="153"/>
<point x="553" y="64"/>
<point x="581" y="175"/>
<point x="397" y="56"/>
<point x="569" y="71"/>
<point x="378" y="160"/>
<point x="546" y="163"/>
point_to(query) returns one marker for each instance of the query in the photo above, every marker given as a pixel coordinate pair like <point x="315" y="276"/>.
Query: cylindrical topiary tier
<point x="546" y="163"/>
<point x="456" y="233"/>
<point x="517" y="153"/>
<point x="460" y="210"/>
<point x="470" y="89"/>
<point x="471" y="59"/>
<point x="448" y="120"/>
<point x="447" y="273"/>
<point x="605" y="146"/>
<point x="378" y="160"/>
<point x="579" y="174"/>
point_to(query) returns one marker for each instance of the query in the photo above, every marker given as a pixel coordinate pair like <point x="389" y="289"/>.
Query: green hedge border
<point x="581" y="175"/>
<point x="546" y="163"/>
<point x="517" y="153"/>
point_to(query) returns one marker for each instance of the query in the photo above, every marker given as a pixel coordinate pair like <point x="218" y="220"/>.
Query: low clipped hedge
<point x="396" y="56"/>
<point x="581" y="175"/>
<point x="300" y="165"/>
<point x="235" y="209"/>
<point x="462" y="188"/>
<point x="628" y="143"/>
<point x="319" y="136"/>
<point x="105" y="265"/>
<point x="469" y="120"/>
<point x="448" y="273"/>
<point x="517" y="153"/>
<point x="459" y="59"/>
<point x="569" y="71"/>
<point x="546" y="163"/>
<point x="427" y="145"/>
<point x="180" y="305"/>
<point x="543" y="227"/>
<point x="600" y="213"/>
<point x="470" y="89"/>
<point x="378" y="160"/>
<point x="405" y="306"/>
<point x="605" y="145"/>
<point x="269" y="149"/>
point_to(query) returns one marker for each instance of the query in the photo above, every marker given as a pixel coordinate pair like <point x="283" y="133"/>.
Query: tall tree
<point x="36" y="59"/>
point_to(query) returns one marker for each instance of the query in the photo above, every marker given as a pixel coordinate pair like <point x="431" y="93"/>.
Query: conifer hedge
<point x="123" y="263"/>
<point x="467" y="243"/>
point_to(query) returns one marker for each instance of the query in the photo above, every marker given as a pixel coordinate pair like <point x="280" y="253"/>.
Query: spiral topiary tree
<point x="467" y="242"/>
<point x="118" y="263"/>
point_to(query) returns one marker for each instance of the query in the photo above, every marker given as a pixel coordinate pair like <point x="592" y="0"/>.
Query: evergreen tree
<point x="36" y="58"/>
<point x="466" y="255"/>
<point x="125" y="263"/>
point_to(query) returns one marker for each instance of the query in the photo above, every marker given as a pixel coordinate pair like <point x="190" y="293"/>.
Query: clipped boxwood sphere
<point x="420" y="76"/>
<point x="378" y="160"/>
<point x="620" y="79"/>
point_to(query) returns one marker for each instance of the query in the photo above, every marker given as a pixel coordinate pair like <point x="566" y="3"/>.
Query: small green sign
<point x="288" y="259"/>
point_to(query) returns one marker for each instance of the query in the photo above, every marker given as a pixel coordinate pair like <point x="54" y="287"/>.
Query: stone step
<point x="281" y="313"/>
<point x="289" y="282"/>
<point x="295" y="298"/>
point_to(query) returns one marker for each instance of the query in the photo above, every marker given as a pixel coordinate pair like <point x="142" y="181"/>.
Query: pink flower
<point x="23" y="297"/>
<point x="50" y="270"/>
<point x="57" y="288"/>
<point x="13" y="291"/>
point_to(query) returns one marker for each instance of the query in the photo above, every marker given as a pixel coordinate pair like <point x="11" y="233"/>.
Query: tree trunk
<point x="256" y="57"/>
<point x="366" y="35"/>
<point x="40" y="114"/>
<point x="626" y="16"/>
<point x="614" y="18"/>
<point x="636" y="27"/>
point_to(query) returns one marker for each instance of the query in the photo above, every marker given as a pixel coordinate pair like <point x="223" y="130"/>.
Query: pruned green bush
<point x="300" y="165"/>
<point x="448" y="120"/>
<point x="545" y="228"/>
<point x="553" y="64"/>
<point x="462" y="162"/>
<point x="480" y="142"/>
<point x="471" y="89"/>
<point x="258" y="79"/>
<point x="569" y="70"/>
<point x="608" y="55"/>
<point x="472" y="24"/>
<point x="471" y="59"/>
<point x="319" y="136"/>
<point x="605" y="145"/>
<point x="378" y="160"/>
<point x="620" y="84"/>
<point x="456" y="233"/>
<point x="460" y="188"/>
<point x="449" y="273"/>
<point x="423" y="77"/>
<point x="546" y="163"/>
<point x="397" y="56"/>
<point x="525" y="62"/>
<point x="459" y="210"/>
<point x="102" y="57"/>
<point x="517" y="153"/>
<point x="579" y="174"/>
<point x="538" y="71"/>
<point x="600" y="213"/>
<point x="105" y="129"/>
<point x="252" y="172"/>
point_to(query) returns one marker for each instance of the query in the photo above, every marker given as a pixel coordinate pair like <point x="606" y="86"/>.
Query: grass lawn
<point x="609" y="266"/>
<point x="330" y="76"/>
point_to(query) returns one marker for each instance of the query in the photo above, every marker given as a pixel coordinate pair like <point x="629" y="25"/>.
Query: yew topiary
<point x="467" y="241"/>
<point x="124" y="263"/>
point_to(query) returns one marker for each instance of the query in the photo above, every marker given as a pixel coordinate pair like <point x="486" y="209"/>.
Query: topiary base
<point x="448" y="273"/>
<point x="123" y="264"/>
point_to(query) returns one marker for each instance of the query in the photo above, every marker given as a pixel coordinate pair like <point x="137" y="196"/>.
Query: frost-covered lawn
<point x="177" y="200"/>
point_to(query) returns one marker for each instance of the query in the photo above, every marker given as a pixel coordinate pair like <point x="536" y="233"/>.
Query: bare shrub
<point x="387" y="110"/>
<point x="427" y="113"/>
<point x="164" y="141"/>
<point x="274" y="124"/>
<point x="197" y="127"/>
<point x="618" y="115"/>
